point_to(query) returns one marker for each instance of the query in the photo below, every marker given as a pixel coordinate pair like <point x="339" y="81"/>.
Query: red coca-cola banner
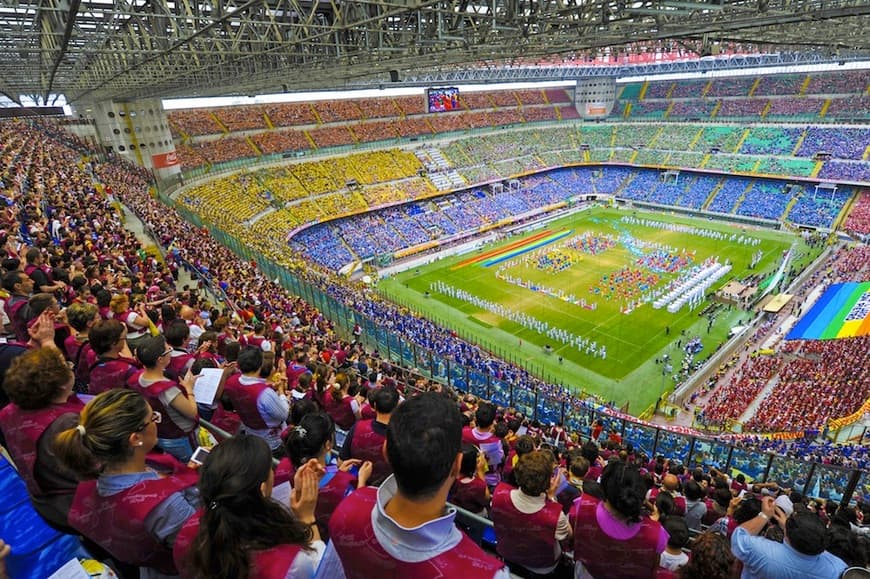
<point x="164" y="160"/>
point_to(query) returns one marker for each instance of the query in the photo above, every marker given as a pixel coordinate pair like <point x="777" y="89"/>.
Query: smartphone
<point x="199" y="455"/>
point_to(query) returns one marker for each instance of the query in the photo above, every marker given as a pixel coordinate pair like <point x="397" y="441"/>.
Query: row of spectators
<point x="483" y="157"/>
<point x="788" y="109"/>
<point x="834" y="83"/>
<point x="197" y="122"/>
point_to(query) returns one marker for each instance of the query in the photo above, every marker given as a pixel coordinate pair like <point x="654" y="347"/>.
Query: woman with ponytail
<point x="341" y="404"/>
<point x="241" y="531"/>
<point x="615" y="537"/>
<point x="134" y="502"/>
<point x="314" y="438"/>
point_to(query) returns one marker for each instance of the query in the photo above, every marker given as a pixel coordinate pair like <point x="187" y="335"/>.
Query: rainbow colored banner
<point x="517" y="251"/>
<point x="843" y="311"/>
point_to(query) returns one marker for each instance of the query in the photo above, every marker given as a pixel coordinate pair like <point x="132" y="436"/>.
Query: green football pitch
<point x="499" y="310"/>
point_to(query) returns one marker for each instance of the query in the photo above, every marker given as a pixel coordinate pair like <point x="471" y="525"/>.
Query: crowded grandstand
<point x="231" y="347"/>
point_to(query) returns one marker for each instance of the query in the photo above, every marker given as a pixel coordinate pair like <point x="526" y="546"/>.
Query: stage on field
<point x="843" y="311"/>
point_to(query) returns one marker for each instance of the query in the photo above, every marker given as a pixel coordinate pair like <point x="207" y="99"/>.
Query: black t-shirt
<point x="39" y="279"/>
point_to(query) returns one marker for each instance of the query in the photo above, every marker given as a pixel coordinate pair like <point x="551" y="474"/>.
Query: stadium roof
<point x="125" y="49"/>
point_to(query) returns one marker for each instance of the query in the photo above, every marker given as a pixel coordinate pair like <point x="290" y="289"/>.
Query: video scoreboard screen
<point x="443" y="99"/>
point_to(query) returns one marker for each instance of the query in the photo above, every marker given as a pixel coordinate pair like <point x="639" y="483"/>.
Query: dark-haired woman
<point x="40" y="385"/>
<point x="614" y="538"/>
<point x="135" y="504"/>
<point x="115" y="363"/>
<point x="314" y="437"/>
<point x="241" y="532"/>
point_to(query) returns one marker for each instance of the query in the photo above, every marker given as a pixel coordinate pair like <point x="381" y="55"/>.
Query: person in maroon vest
<point x="81" y="317"/>
<point x="137" y="321"/>
<point x="341" y="402"/>
<point x="40" y="384"/>
<point x="177" y="335"/>
<point x="528" y="523"/>
<point x="242" y="532"/>
<point x="137" y="501"/>
<point x="20" y="285"/>
<point x="263" y="410"/>
<point x="470" y="492"/>
<point x="314" y="437"/>
<point x="404" y="529"/>
<point x="366" y="438"/>
<point x="172" y="398"/>
<point x="613" y="537"/>
<point x="671" y="486"/>
<point x="484" y="438"/>
<point x="115" y="363"/>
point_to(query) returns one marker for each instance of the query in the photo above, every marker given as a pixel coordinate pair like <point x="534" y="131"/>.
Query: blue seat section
<point x="37" y="549"/>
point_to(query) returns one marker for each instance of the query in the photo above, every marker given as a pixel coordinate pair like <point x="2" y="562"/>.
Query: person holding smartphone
<point x="241" y="531"/>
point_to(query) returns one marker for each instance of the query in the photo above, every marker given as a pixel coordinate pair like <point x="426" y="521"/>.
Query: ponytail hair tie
<point x="300" y="431"/>
<point x="81" y="429"/>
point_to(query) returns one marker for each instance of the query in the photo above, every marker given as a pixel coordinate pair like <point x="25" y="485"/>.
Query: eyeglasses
<point x="166" y="353"/>
<point x="156" y="418"/>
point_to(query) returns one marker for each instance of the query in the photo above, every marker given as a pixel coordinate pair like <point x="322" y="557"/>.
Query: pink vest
<point x="24" y="428"/>
<point x="363" y="557"/>
<point x="329" y="497"/>
<point x="268" y="564"/>
<point x="340" y="411"/>
<point x="244" y="399"/>
<point x="111" y="373"/>
<point x="167" y="427"/>
<point x="604" y="556"/>
<point x="117" y="522"/>
<point x="369" y="445"/>
<point x="528" y="540"/>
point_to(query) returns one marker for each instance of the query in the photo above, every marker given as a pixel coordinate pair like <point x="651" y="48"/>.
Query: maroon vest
<point x="604" y="556"/>
<point x="679" y="502"/>
<point x="226" y="420"/>
<point x="24" y="428"/>
<point x="167" y="427"/>
<point x="244" y="399"/>
<point x="470" y="495"/>
<point x="329" y="497"/>
<point x="367" y="444"/>
<point x="117" y="522"/>
<point x="175" y="370"/>
<point x="284" y="472"/>
<point x="340" y="411"/>
<point x="268" y="564"/>
<point x="13" y="307"/>
<point x="526" y="539"/>
<point x="107" y="374"/>
<point x="363" y="557"/>
<point x="133" y="332"/>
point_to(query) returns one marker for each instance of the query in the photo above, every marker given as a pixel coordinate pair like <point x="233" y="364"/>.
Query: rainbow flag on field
<point x="843" y="311"/>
